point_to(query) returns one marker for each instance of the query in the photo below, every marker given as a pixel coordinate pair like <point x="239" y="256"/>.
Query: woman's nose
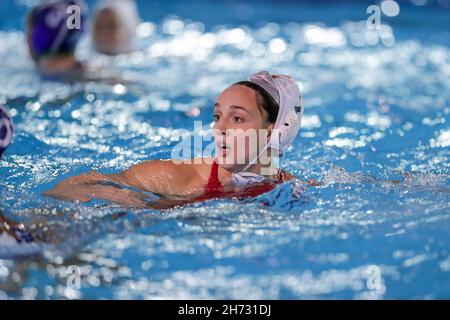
<point x="220" y="127"/>
<point x="220" y="132"/>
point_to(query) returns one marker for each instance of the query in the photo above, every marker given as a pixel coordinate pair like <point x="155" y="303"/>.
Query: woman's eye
<point x="216" y="117"/>
<point x="238" y="119"/>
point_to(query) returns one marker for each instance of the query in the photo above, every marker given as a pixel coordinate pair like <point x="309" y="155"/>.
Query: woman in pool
<point x="270" y="104"/>
<point x="52" y="40"/>
<point x="114" y="26"/>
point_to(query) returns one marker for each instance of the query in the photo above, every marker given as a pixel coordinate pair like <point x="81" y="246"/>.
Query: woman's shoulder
<point x="197" y="169"/>
<point x="174" y="166"/>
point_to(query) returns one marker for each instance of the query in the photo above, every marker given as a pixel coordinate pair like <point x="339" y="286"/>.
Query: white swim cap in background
<point x="286" y="93"/>
<point x="127" y="12"/>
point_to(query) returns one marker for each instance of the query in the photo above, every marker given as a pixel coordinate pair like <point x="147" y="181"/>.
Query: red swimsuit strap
<point x="214" y="187"/>
<point x="214" y="183"/>
<point x="280" y="177"/>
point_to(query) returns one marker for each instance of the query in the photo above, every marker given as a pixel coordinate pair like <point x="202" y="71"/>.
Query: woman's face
<point x="108" y="32"/>
<point x="241" y="128"/>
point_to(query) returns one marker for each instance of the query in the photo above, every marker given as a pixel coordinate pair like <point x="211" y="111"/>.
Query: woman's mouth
<point x="222" y="149"/>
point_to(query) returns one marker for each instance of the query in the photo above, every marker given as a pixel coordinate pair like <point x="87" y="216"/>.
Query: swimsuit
<point x="215" y="189"/>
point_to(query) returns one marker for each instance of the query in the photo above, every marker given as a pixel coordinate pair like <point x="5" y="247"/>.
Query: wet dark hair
<point x="265" y="100"/>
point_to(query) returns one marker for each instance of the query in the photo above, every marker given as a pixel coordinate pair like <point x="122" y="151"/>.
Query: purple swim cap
<point x="6" y="130"/>
<point x="50" y="33"/>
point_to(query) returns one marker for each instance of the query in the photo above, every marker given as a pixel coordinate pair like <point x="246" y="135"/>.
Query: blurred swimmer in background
<point x="114" y="26"/>
<point x="53" y="36"/>
<point x="53" y="31"/>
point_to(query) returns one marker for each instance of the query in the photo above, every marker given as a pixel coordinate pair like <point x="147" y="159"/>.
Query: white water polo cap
<point x="128" y="14"/>
<point x="286" y="93"/>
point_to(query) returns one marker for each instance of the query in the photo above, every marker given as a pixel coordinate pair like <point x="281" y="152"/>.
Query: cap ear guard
<point x="287" y="132"/>
<point x="289" y="129"/>
<point x="290" y="115"/>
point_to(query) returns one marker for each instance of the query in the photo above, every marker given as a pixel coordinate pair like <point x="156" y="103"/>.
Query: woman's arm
<point x="158" y="177"/>
<point x="76" y="188"/>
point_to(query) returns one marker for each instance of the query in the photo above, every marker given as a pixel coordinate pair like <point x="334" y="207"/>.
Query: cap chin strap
<point x="251" y="163"/>
<point x="244" y="178"/>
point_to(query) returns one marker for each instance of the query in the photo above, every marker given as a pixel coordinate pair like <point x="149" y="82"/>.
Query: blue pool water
<point x="377" y="105"/>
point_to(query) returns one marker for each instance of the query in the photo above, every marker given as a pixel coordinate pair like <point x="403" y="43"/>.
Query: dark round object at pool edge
<point x="6" y="130"/>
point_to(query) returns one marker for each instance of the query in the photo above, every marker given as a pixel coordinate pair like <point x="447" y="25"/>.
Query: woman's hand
<point x="314" y="183"/>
